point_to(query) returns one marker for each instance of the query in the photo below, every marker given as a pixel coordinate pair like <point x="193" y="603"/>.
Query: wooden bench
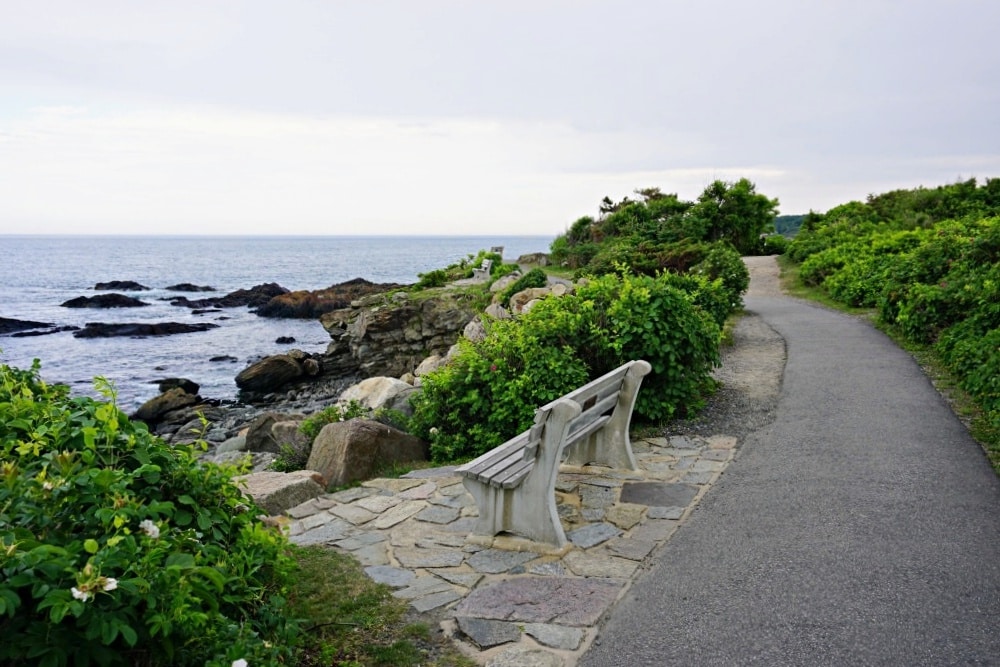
<point x="514" y="484"/>
<point x="483" y="273"/>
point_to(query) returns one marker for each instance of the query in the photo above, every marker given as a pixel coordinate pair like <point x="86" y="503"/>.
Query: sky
<point x="486" y="117"/>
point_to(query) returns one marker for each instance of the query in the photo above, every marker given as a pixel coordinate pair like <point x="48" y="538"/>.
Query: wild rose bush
<point x="117" y="549"/>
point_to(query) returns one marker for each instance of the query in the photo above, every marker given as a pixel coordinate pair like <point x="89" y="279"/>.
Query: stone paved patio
<point x="507" y="600"/>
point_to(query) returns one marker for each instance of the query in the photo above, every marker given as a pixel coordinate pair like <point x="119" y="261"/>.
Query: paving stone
<point x="568" y="512"/>
<point x="457" y="502"/>
<point x="722" y="442"/>
<point x="658" y="468"/>
<point x="587" y="564"/>
<point x="555" y="636"/>
<point x="551" y="569"/>
<point x="392" y="485"/>
<point x="452" y="489"/>
<point x="352" y="514"/>
<point x="666" y="512"/>
<point x="436" y="514"/>
<point x="325" y="534"/>
<point x="566" y="485"/>
<point x="716" y="455"/>
<point x="685" y="463"/>
<point x="294" y="528"/>
<point x="640" y="447"/>
<point x="654" y="531"/>
<point x="414" y="557"/>
<point x="593" y="514"/>
<point x="471" y="512"/>
<point x="658" y="442"/>
<point x="422" y="492"/>
<point x="434" y="540"/>
<point x="398" y="513"/>
<point x="350" y="495"/>
<point x="465" y="579"/>
<point x="427" y="473"/>
<point x="485" y="633"/>
<point x="421" y="586"/>
<point x="683" y="442"/>
<point x="699" y="477"/>
<point x="659" y="494"/>
<point x="396" y="577"/>
<point x="631" y="548"/>
<point x="597" y="496"/>
<point x="625" y="515"/>
<point x="563" y="600"/>
<point x="494" y="561"/>
<point x="435" y="600"/>
<point x="623" y="475"/>
<point x="592" y="535"/>
<point x="305" y="509"/>
<point x="524" y="656"/>
<point x="378" y="504"/>
<point x="463" y="525"/>
<point x="408" y="533"/>
<point x="373" y="554"/>
<point x="360" y="540"/>
<point x="314" y="520"/>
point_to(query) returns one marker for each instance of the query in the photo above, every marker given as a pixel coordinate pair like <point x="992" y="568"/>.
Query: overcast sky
<point x="475" y="117"/>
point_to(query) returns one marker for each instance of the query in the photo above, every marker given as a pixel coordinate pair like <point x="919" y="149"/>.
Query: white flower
<point x="149" y="528"/>
<point x="48" y="486"/>
<point x="83" y="596"/>
<point x="110" y="584"/>
<point x="240" y="663"/>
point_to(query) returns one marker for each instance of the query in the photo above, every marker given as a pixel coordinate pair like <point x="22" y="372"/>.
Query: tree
<point x="735" y="212"/>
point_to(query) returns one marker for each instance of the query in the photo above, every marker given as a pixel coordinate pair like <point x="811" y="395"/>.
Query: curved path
<point x="860" y="527"/>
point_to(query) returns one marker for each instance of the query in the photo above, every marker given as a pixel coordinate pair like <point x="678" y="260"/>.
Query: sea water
<point x="38" y="273"/>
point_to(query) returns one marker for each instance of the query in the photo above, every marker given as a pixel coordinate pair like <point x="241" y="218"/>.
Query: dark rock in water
<point x="104" y="301"/>
<point x="254" y="297"/>
<point x="189" y="386"/>
<point x="204" y="311"/>
<point x="224" y="357"/>
<point x="155" y="408"/>
<point x="269" y="373"/>
<point x="9" y="325"/>
<point x="188" y="287"/>
<point x="44" y="332"/>
<point x="284" y="340"/>
<point x="304" y="304"/>
<point x="124" y="285"/>
<point x="103" y="330"/>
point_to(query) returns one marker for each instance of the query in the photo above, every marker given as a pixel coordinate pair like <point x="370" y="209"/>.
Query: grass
<point x="946" y="382"/>
<point x="355" y="622"/>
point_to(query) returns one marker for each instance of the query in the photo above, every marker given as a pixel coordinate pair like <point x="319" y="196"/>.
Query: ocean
<point x="38" y="273"/>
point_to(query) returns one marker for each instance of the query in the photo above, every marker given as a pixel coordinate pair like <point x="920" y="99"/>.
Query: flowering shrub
<point x="117" y="549"/>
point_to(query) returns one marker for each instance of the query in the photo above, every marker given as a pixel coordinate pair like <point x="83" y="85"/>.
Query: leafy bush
<point x="774" y="244"/>
<point x="723" y="262"/>
<point x="314" y="423"/>
<point x="534" y="278"/>
<point x="491" y="389"/>
<point x="118" y="549"/>
<point x="434" y="278"/>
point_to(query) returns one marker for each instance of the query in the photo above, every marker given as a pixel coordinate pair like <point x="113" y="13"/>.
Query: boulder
<point x="224" y="357"/>
<point x="254" y="297"/>
<point x="139" y="330"/>
<point x="534" y="258"/>
<point x="269" y="373"/>
<point x="431" y="363"/>
<point x="496" y="311"/>
<point x="166" y="384"/>
<point x="9" y="325"/>
<point x="311" y="304"/>
<point x="284" y="340"/>
<point x="260" y="435"/>
<point x="474" y="330"/>
<point x="275" y="492"/>
<point x="500" y="284"/>
<point x="375" y="392"/>
<point x="188" y="287"/>
<point x="519" y="300"/>
<point x="286" y="433"/>
<point x="357" y="449"/>
<point x="112" y="300"/>
<point x="401" y="401"/>
<point x="152" y="410"/>
<point x="123" y="285"/>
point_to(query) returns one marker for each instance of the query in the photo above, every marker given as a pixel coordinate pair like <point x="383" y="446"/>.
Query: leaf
<point x="180" y="560"/>
<point x="91" y="546"/>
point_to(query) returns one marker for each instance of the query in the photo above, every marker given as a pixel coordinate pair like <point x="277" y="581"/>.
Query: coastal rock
<point x="500" y="284"/>
<point x="346" y="452"/>
<point x="534" y="258"/>
<point x="521" y="299"/>
<point x="428" y="365"/>
<point x="496" y="311"/>
<point x="123" y="285"/>
<point x="104" y="330"/>
<point x="254" y="297"/>
<point x="43" y="332"/>
<point x="275" y="492"/>
<point x="188" y="287"/>
<point x="284" y="340"/>
<point x="112" y="300"/>
<point x="9" y="325"/>
<point x="189" y="386"/>
<point x="311" y="304"/>
<point x="474" y="330"/>
<point x="269" y="373"/>
<point x="375" y="392"/>
<point x="152" y="410"/>
<point x="261" y="435"/>
<point x="224" y="357"/>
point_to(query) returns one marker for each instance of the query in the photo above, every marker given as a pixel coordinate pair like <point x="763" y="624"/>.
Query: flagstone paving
<point x="506" y="600"/>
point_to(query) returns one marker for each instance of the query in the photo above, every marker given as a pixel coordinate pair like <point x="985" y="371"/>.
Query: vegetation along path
<point x="860" y="526"/>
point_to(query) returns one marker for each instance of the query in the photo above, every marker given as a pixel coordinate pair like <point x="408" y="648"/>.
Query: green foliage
<point x="118" y="549"/>
<point x="788" y="225"/>
<point x="735" y="212"/>
<point x="774" y="244"/>
<point x="434" y="278"/>
<point x="491" y="389"/>
<point x="534" y="278"/>
<point x="314" y="423"/>
<point x="458" y="270"/>
<point x="723" y="262"/>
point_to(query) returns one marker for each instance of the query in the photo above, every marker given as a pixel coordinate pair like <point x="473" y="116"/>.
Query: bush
<point x="314" y="423"/>
<point x="774" y="244"/>
<point x="723" y="262"/>
<point x="534" y="278"/>
<point x="118" y="549"/>
<point x="491" y="389"/>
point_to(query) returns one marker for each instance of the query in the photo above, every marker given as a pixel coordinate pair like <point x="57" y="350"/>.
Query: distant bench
<point x="514" y="484"/>
<point x="483" y="272"/>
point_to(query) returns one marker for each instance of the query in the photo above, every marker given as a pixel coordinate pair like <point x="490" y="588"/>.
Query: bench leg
<point x="516" y="511"/>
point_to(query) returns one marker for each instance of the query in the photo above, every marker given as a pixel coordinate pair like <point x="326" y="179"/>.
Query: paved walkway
<point x="510" y="601"/>
<point x="861" y="527"/>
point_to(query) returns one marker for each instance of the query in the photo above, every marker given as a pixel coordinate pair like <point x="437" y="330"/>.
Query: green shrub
<point x="118" y="549"/>
<point x="723" y="262"/>
<point x="534" y="278"/>
<point x="774" y="244"/>
<point x="491" y="389"/>
<point x="314" y="423"/>
<point x="434" y="278"/>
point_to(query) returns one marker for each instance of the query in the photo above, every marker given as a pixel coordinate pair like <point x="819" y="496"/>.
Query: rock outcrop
<point x="112" y="300"/>
<point x="272" y="373"/>
<point x="376" y="392"/>
<point x="153" y="410"/>
<point x="311" y="304"/>
<point x="346" y="452"/>
<point x="123" y="285"/>
<point x="104" y="330"/>
<point x="10" y="325"/>
<point x="254" y="297"/>
<point x="188" y="287"/>
<point x="275" y="492"/>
